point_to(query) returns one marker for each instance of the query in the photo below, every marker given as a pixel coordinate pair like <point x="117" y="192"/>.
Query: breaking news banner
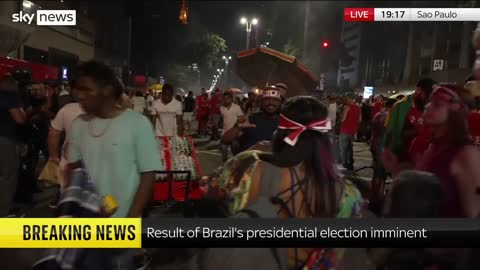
<point x="70" y="233"/>
<point x="187" y="233"/>
<point x="310" y="233"/>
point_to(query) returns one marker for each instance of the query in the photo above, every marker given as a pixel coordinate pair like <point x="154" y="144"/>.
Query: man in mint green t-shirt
<point x="116" y="146"/>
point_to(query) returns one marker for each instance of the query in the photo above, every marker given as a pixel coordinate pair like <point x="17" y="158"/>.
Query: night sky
<point x="157" y="33"/>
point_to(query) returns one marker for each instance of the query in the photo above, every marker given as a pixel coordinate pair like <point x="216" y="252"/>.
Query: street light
<point x="194" y="67"/>
<point x="227" y="60"/>
<point x="27" y="4"/>
<point x="248" y="27"/>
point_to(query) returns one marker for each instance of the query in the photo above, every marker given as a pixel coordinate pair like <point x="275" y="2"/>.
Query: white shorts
<point x="188" y="116"/>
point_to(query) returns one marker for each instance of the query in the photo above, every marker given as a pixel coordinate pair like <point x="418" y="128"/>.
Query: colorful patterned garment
<point x="351" y="204"/>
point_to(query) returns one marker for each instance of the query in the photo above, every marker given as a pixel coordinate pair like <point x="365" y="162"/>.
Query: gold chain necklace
<point x="92" y="133"/>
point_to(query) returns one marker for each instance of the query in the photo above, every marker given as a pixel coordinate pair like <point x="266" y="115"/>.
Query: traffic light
<point x="334" y="54"/>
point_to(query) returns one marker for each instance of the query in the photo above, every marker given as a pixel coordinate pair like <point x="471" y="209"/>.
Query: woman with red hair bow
<point x="295" y="179"/>
<point x="451" y="156"/>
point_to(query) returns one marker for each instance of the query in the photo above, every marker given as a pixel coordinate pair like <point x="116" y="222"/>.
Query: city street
<point x="210" y="159"/>
<point x="93" y="84"/>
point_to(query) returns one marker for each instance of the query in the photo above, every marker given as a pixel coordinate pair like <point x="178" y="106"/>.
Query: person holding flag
<point x="403" y="124"/>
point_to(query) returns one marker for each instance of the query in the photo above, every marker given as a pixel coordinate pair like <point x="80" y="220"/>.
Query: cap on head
<point x="453" y="94"/>
<point x="271" y="91"/>
<point x="282" y="86"/>
<point x="351" y="95"/>
<point x="473" y="87"/>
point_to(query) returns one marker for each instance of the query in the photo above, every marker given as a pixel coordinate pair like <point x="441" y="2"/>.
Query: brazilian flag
<point x="395" y="123"/>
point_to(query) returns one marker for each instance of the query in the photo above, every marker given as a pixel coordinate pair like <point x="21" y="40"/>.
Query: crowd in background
<point x="288" y="156"/>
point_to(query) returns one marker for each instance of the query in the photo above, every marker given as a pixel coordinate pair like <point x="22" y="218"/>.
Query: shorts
<point x="188" y="116"/>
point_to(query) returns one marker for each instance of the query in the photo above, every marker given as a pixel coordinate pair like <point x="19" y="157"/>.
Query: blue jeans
<point x="346" y="150"/>
<point x="335" y="147"/>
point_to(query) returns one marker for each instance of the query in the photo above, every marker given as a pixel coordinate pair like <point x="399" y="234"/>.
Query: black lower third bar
<point x="237" y="232"/>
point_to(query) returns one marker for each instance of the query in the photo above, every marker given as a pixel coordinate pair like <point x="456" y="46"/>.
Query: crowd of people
<point x="287" y="155"/>
<point x="26" y="113"/>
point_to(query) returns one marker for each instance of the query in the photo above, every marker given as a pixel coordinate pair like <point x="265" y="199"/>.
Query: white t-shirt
<point x="150" y="101"/>
<point x="64" y="93"/>
<point x="332" y="112"/>
<point x="63" y="122"/>
<point x="166" y="122"/>
<point x="139" y="104"/>
<point x="230" y="116"/>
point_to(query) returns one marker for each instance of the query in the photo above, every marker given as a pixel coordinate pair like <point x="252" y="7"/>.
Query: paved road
<point x="210" y="159"/>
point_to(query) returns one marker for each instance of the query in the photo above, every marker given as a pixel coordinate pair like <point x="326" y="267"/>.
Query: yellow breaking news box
<point x="70" y="233"/>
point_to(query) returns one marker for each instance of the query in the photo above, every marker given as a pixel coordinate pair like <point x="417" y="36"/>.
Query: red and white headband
<point x="271" y="93"/>
<point x="286" y="123"/>
<point x="445" y="94"/>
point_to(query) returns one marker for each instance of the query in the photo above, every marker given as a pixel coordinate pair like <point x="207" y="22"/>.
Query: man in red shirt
<point x="473" y="85"/>
<point x="407" y="137"/>
<point x="474" y="127"/>
<point x="215" y="103"/>
<point x="203" y="108"/>
<point x="417" y="136"/>
<point x="351" y="119"/>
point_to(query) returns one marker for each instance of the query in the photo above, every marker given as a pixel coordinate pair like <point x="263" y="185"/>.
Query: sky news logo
<point x="47" y="17"/>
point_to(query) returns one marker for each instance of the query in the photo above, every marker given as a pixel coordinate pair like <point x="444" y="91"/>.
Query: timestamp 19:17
<point x="393" y="14"/>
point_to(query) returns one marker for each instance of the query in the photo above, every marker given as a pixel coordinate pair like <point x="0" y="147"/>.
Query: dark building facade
<point x="394" y="55"/>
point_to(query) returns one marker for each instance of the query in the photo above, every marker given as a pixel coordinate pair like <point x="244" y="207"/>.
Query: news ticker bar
<point x="235" y="232"/>
<point x="411" y="14"/>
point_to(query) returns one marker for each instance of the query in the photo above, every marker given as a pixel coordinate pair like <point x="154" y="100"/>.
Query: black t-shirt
<point x="265" y="126"/>
<point x="189" y="103"/>
<point x="8" y="127"/>
<point x="366" y="112"/>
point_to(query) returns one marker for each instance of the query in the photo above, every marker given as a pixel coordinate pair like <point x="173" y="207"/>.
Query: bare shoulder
<point x="467" y="157"/>
<point x="469" y="153"/>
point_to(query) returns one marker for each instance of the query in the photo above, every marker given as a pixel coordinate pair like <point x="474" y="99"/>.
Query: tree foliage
<point x="291" y="48"/>
<point x="206" y="51"/>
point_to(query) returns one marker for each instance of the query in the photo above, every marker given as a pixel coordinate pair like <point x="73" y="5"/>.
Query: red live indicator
<point x="359" y="14"/>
